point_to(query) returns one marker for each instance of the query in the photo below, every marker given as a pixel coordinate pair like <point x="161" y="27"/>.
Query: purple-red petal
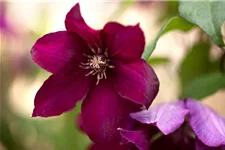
<point x="103" y="111"/>
<point x="54" y="50"/>
<point x="139" y="138"/>
<point x="124" y="43"/>
<point x="206" y="123"/>
<point x="59" y="94"/>
<point x="74" y="22"/>
<point x="166" y="117"/>
<point x="79" y="122"/>
<point x="136" y="82"/>
<point x="110" y="147"/>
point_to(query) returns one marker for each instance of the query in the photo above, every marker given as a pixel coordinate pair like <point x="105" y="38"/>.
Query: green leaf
<point x="158" y="60"/>
<point x="175" y="23"/>
<point x="204" y="86"/>
<point x="208" y="15"/>
<point x="195" y="63"/>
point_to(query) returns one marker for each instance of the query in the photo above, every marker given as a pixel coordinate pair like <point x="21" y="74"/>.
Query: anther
<point x="88" y="56"/>
<point x="104" y="74"/>
<point x="97" y="63"/>
<point x="92" y="71"/>
<point x="111" y="66"/>
<point x="98" y="78"/>
<point x="99" y="50"/>
<point x="87" y="64"/>
<point x="101" y="75"/>
<point x="84" y="67"/>
<point x="106" y="52"/>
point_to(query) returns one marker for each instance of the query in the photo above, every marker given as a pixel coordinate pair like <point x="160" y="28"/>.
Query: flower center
<point x="97" y="64"/>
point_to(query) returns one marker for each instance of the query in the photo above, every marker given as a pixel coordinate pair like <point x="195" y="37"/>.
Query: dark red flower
<point x="103" y="67"/>
<point x="111" y="147"/>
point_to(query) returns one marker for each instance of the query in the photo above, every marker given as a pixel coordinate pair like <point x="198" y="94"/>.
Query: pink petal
<point x="125" y="43"/>
<point x="167" y="117"/>
<point x="75" y="23"/>
<point x="136" y="82"/>
<point x="103" y="111"/>
<point x="60" y="93"/>
<point x="201" y="146"/>
<point x="54" y="50"/>
<point x="206" y="123"/>
<point x="139" y="138"/>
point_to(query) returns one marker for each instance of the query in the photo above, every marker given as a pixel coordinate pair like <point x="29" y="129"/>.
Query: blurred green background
<point x="187" y="63"/>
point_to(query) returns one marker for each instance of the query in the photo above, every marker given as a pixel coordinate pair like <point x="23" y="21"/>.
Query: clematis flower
<point x="111" y="147"/>
<point x="101" y="67"/>
<point x="185" y="125"/>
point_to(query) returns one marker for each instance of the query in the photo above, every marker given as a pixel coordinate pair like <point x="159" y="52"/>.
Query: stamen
<point x="98" y="78"/>
<point x="101" y="75"/>
<point x="92" y="71"/>
<point x="84" y="67"/>
<point x="99" y="50"/>
<point x="104" y="74"/>
<point x="111" y="66"/>
<point x="87" y="64"/>
<point x="88" y="56"/>
<point x="92" y="49"/>
<point x="97" y="63"/>
<point x="106" y="52"/>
